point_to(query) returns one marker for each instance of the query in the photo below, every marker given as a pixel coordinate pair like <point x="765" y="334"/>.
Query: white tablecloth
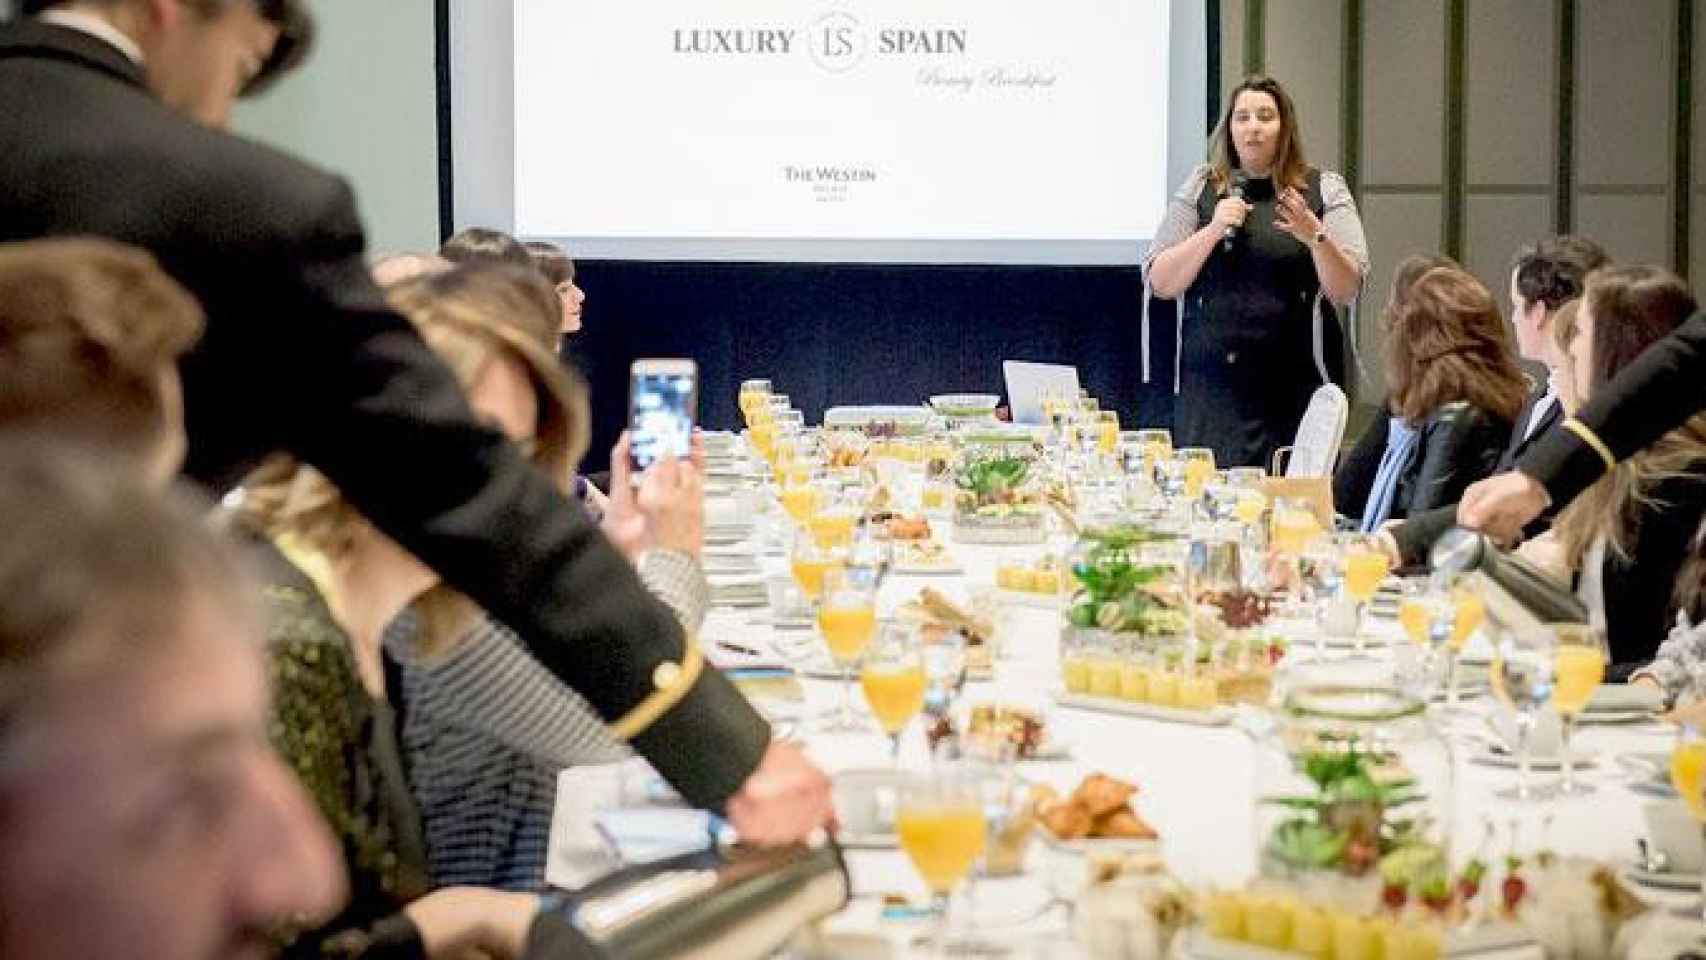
<point x="1196" y="783"/>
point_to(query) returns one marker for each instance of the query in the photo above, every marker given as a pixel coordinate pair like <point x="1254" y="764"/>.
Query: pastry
<point x="1100" y="794"/>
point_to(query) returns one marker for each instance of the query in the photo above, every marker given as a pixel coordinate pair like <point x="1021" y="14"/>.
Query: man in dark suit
<point x="1545" y="276"/>
<point x="108" y="117"/>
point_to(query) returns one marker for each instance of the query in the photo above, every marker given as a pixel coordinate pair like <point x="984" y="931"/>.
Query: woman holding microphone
<point x="1252" y="245"/>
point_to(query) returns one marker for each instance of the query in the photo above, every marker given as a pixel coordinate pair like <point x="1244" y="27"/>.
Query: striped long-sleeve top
<point x="486" y="729"/>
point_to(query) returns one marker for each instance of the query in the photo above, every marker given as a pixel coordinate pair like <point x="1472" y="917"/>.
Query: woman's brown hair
<point x="1629" y="309"/>
<point x="1445" y="342"/>
<point x="1290" y="169"/>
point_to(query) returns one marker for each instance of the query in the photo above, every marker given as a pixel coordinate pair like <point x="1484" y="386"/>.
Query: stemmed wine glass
<point x="1688" y="776"/>
<point x="1524" y="678"/>
<point x="894" y="680"/>
<point x="1366" y="566"/>
<point x="943" y="829"/>
<point x="847" y="617"/>
<point x="1579" y="666"/>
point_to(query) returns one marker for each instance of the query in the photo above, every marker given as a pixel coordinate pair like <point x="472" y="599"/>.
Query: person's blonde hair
<point x="1632" y="308"/>
<point x="470" y="317"/>
<point x="87" y="329"/>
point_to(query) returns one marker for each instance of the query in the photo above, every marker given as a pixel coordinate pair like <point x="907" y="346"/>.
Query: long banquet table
<point x="1196" y="782"/>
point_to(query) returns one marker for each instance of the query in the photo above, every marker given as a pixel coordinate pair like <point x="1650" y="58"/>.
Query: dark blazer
<point x="1419" y="531"/>
<point x="302" y="355"/>
<point x="1459" y="444"/>
<point x="1521" y="438"/>
<point x="1640" y="602"/>
<point x="1664" y="386"/>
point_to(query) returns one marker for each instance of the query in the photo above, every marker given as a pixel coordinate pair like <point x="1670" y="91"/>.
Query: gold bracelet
<point x="1592" y="439"/>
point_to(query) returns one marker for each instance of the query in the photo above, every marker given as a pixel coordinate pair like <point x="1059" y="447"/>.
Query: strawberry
<point x="1359" y="856"/>
<point x="1469" y="885"/>
<point x="1514" y="887"/>
<point x="1435" y="893"/>
<point x="1393" y="896"/>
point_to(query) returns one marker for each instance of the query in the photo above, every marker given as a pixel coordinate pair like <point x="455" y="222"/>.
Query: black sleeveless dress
<point x="1247" y="352"/>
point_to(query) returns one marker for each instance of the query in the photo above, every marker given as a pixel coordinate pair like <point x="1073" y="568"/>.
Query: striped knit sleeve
<point x="676" y="578"/>
<point x="498" y="688"/>
<point x="1679" y="667"/>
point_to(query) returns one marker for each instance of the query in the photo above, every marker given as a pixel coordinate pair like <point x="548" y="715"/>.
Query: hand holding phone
<point x="663" y="396"/>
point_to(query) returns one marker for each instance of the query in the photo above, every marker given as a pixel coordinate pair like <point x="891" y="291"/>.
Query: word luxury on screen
<point x="843" y="35"/>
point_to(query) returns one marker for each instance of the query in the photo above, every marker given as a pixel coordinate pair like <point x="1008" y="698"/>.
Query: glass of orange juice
<point x="1157" y="447"/>
<point x="752" y="394"/>
<point x="893" y="679"/>
<point x="833" y="524"/>
<point x="1578" y="668"/>
<point x="847" y="618"/>
<point x="1107" y="432"/>
<point x="1198" y="469"/>
<point x="1366" y="566"/>
<point x="1688" y="775"/>
<point x="802" y="498"/>
<point x="810" y="563"/>
<point x="1462" y="615"/>
<point x="943" y="828"/>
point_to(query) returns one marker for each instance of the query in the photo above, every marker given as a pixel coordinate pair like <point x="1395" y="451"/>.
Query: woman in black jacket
<point x="1455" y="388"/>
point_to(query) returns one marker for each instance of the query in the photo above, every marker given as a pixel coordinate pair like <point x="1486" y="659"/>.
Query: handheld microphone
<point x="1236" y="192"/>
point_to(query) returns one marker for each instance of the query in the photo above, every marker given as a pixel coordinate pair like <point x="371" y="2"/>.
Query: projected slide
<point x="971" y="121"/>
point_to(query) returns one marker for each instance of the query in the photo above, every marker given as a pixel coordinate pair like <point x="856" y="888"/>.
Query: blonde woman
<point x="1626" y="537"/>
<point x="338" y="583"/>
<point x="487" y="728"/>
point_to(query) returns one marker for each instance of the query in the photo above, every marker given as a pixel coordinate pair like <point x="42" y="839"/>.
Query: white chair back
<point x="1320" y="433"/>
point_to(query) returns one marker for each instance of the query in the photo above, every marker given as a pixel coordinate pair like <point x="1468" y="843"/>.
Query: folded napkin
<point x="579" y="852"/>
<point x="737" y="589"/>
<point x="1619" y="697"/>
<point x="647" y="834"/>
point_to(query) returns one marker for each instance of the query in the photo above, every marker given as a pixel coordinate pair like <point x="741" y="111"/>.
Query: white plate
<point x="1669" y="880"/>
<point x="922" y="570"/>
<point x="726" y="535"/>
<point x="1215" y="717"/>
<point x="1496" y="756"/>
<point x="1607" y="717"/>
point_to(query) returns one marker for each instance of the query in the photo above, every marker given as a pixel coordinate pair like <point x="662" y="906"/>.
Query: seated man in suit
<point x="1544" y="277"/>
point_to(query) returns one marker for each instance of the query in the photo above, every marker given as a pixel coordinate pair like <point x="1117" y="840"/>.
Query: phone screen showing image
<point x="660" y="416"/>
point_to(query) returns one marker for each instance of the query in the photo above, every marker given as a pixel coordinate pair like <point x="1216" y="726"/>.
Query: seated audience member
<point x="90" y="336"/>
<point x="1544" y="278"/>
<point x="559" y="269"/>
<point x="487" y="728"/>
<point x="1455" y="389"/>
<point x="144" y="813"/>
<point x="333" y="582"/>
<point x="1679" y="668"/>
<point x="482" y="243"/>
<point x="1354" y="476"/>
<point x="1624" y="540"/>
